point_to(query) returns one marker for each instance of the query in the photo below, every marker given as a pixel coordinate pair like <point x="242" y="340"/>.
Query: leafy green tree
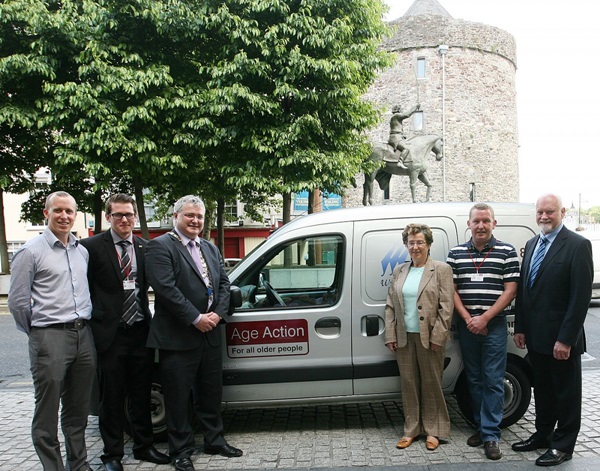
<point x="24" y="147"/>
<point x="229" y="99"/>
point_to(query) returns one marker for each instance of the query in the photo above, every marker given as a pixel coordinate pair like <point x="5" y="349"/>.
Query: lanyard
<point x="477" y="267"/>
<point x="126" y="268"/>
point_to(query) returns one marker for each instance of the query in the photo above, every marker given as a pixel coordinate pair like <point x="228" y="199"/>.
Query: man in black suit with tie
<point x="191" y="298"/>
<point x="552" y="303"/>
<point x="120" y="324"/>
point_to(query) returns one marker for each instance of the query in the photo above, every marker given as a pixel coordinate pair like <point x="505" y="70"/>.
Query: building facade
<point x="463" y="76"/>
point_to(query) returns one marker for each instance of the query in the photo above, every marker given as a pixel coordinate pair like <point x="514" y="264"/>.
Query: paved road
<point x="335" y="437"/>
<point x="327" y="437"/>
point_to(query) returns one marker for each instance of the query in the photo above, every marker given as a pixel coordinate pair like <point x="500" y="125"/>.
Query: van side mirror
<point x="235" y="299"/>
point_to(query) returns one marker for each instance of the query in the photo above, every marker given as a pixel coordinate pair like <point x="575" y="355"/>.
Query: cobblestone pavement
<point x="318" y="437"/>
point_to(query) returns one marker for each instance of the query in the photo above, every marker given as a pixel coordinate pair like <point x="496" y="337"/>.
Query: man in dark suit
<point x="120" y="324"/>
<point x="552" y="302"/>
<point x="191" y="298"/>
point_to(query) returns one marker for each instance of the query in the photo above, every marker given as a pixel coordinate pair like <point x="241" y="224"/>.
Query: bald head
<point x="549" y="212"/>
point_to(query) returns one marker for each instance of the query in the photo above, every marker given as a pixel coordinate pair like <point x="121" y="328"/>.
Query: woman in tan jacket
<point x="417" y="318"/>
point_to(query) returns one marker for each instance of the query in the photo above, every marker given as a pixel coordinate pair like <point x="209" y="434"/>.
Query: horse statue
<point x="416" y="161"/>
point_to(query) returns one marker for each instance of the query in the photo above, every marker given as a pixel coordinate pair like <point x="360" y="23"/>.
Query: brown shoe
<point x="432" y="443"/>
<point x="405" y="442"/>
<point x="492" y="450"/>
<point x="474" y="440"/>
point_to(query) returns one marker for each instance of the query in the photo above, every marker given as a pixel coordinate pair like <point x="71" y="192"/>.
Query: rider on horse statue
<point x="397" y="137"/>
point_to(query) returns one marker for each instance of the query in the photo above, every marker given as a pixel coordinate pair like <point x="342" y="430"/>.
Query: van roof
<point x="389" y="211"/>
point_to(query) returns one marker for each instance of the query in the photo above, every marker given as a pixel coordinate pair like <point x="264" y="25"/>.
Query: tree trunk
<point x="287" y="207"/>
<point x="221" y="225"/>
<point x="208" y="220"/>
<point x="139" y="201"/>
<point x="98" y="206"/>
<point x="4" y="266"/>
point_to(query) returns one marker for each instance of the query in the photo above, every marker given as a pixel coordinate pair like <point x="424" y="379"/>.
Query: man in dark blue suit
<point x="552" y="303"/>
<point x="120" y="324"/>
<point x="191" y="298"/>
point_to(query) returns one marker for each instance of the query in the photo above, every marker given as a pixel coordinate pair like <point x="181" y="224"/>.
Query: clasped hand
<point x="477" y="325"/>
<point x="208" y="322"/>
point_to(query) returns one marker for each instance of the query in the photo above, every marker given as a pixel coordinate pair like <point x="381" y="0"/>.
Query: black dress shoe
<point x="224" y="450"/>
<point x="553" y="457"/>
<point x="184" y="464"/>
<point x="113" y="465"/>
<point x="532" y="443"/>
<point x="152" y="455"/>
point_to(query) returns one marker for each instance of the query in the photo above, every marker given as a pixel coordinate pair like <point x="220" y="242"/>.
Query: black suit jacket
<point x="106" y="285"/>
<point x="555" y="307"/>
<point x="181" y="295"/>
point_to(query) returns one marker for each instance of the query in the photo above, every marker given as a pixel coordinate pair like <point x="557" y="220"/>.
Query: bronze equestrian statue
<point x="415" y="164"/>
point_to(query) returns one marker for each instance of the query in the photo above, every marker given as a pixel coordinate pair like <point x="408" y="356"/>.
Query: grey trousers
<point x="63" y="365"/>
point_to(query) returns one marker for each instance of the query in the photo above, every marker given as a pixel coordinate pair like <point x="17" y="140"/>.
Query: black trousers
<point x="197" y="374"/>
<point x="126" y="371"/>
<point x="557" y="392"/>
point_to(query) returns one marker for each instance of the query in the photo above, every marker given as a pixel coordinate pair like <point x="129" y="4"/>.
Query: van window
<point x="302" y="272"/>
<point x="384" y="250"/>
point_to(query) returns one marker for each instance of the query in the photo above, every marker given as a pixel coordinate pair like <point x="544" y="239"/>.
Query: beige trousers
<point x="423" y="401"/>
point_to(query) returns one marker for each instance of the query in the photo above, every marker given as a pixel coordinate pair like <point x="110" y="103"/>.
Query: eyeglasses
<point x="418" y="243"/>
<point x="200" y="217"/>
<point x="120" y="216"/>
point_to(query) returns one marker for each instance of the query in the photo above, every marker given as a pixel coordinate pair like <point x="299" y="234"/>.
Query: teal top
<point x="410" y="291"/>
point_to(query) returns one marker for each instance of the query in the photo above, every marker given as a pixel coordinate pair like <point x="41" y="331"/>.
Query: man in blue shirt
<point x="50" y="301"/>
<point x="486" y="273"/>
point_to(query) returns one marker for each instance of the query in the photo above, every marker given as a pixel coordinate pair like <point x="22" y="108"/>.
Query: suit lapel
<point x="529" y="248"/>
<point x="138" y="248"/>
<point x="109" y="246"/>
<point x="187" y="256"/>
<point x="555" y="248"/>
<point x="404" y="269"/>
<point x="428" y="273"/>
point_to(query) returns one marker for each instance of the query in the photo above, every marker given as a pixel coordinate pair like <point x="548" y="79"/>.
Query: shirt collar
<point x="491" y="243"/>
<point x="116" y="238"/>
<point x="52" y="239"/>
<point x="185" y="240"/>
<point x="552" y="235"/>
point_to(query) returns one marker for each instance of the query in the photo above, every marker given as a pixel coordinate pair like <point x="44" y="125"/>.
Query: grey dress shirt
<point x="49" y="283"/>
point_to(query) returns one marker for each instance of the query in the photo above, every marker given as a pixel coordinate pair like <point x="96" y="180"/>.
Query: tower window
<point x="420" y="67"/>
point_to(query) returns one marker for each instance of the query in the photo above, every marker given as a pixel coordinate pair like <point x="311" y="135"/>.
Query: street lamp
<point x="443" y="50"/>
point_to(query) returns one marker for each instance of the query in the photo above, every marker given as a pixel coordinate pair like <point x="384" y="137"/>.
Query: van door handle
<point x="328" y="323"/>
<point x="372" y="325"/>
<point x="328" y="327"/>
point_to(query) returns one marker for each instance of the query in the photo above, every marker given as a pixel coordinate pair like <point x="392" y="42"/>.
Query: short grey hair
<point x="481" y="207"/>
<point x="188" y="199"/>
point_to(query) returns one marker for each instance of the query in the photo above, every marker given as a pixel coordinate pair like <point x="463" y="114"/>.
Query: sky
<point x="558" y="90"/>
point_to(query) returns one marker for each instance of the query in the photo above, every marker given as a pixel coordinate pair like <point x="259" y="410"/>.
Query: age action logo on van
<point x="267" y="338"/>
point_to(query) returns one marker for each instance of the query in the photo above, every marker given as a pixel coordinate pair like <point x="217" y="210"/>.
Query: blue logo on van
<point x="396" y="255"/>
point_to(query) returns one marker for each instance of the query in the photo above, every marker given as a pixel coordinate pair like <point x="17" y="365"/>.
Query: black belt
<point x="76" y="325"/>
<point x="125" y="326"/>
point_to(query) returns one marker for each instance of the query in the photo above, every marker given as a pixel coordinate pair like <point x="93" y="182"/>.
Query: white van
<point x="311" y="326"/>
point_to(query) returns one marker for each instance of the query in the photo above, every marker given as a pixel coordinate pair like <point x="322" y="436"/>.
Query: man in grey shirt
<point x="50" y="301"/>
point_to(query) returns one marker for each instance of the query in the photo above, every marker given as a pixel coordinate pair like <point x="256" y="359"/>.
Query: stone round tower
<point x="463" y="76"/>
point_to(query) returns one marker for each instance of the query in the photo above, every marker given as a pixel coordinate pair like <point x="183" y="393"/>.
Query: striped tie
<point x="536" y="261"/>
<point x="129" y="302"/>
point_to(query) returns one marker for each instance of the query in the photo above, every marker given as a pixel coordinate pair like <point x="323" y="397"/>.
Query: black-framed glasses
<point x="119" y="216"/>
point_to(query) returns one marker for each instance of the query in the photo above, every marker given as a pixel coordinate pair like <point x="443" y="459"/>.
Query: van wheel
<point x="157" y="412"/>
<point x="517" y="395"/>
